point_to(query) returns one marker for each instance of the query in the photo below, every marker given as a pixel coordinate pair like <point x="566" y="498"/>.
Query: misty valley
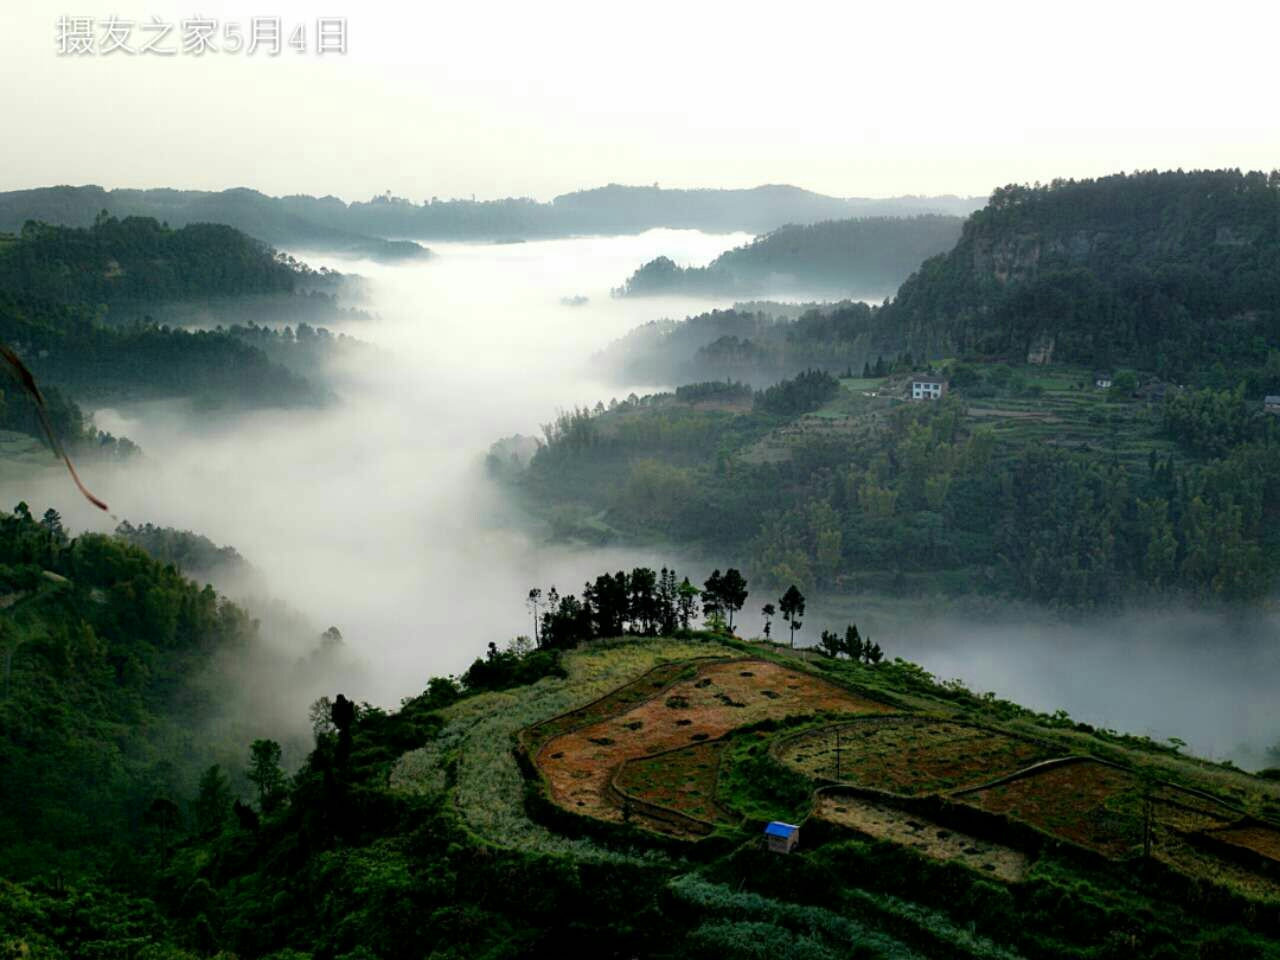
<point x="644" y="573"/>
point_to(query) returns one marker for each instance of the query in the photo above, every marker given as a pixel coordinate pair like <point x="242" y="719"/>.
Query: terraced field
<point x="654" y="749"/>
<point x="1258" y="838"/>
<point x="909" y="755"/>
<point x="927" y="838"/>
<point x="683" y="779"/>
<point x="614" y="702"/>
<point x="1175" y="851"/>
<point x="579" y="764"/>
<point x="1080" y="802"/>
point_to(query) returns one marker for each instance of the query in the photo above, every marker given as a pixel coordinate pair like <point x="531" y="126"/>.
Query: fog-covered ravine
<point x="376" y="515"/>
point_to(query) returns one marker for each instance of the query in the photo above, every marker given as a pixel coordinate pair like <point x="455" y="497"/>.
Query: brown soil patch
<point x="924" y="836"/>
<point x="578" y="767"/>
<point x="910" y="755"/>
<point x="683" y="780"/>
<point x="1258" y="838"/>
<point x="1080" y="802"/>
<point x="626" y="696"/>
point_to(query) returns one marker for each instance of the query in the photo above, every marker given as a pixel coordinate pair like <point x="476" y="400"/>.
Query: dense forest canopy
<point x="75" y="303"/>
<point x="866" y="258"/>
<point x="845" y="485"/>
<point x="138" y="259"/>
<point x="102" y="648"/>
<point x="1163" y="271"/>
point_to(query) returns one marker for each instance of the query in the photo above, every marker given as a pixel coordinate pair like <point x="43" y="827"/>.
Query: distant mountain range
<point x="265" y="218"/>
<point x="367" y="228"/>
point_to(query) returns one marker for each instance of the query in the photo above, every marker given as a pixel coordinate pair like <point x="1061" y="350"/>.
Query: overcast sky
<point x="537" y="98"/>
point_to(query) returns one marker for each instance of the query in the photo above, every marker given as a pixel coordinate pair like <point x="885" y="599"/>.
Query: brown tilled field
<point x="924" y="836"/>
<point x="683" y="780"/>
<point x="910" y="755"/>
<point x="578" y="764"/>
<point x="1080" y="802"/>
<point x="1259" y="838"/>
<point x="1186" y="812"/>
<point x="615" y="702"/>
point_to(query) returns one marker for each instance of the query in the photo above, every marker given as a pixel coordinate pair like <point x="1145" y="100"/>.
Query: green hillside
<point x="442" y="829"/>
<point x="79" y="304"/>
<point x="102" y="650"/>
<point x="267" y="219"/>
<point x="865" y="258"/>
<point x="1025" y="482"/>
<point x="1169" y="272"/>
<point x="1174" y="274"/>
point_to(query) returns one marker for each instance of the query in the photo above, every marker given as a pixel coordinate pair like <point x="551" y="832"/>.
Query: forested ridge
<point x="328" y="223"/>
<point x="1162" y="271"/>
<point x="76" y="304"/>
<point x="843" y="485"/>
<point x="270" y="220"/>
<point x="1029" y="480"/>
<point x="102" y="650"/>
<point x="139" y="259"/>
<point x="866" y="258"/>
<point x="1176" y="274"/>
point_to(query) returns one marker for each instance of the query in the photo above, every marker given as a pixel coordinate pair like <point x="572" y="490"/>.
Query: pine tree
<point x="792" y="606"/>
<point x="852" y="643"/>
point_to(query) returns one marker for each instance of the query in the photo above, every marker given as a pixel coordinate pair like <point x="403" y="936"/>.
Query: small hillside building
<point x="1102" y="381"/>
<point x="1271" y="403"/>
<point x="781" y="837"/>
<point x="928" y="388"/>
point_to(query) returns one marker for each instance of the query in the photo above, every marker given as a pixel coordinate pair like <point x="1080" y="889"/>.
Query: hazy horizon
<point x="350" y="199"/>
<point x="538" y="101"/>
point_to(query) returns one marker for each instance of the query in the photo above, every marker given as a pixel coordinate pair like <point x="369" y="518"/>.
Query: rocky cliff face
<point x="1019" y="256"/>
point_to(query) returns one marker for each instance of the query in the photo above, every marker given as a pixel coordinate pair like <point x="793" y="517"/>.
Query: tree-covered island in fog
<point x="866" y="258"/>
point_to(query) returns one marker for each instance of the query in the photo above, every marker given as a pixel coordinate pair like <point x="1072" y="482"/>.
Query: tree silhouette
<point x="265" y="773"/>
<point x="534" y="602"/>
<point x="830" y="644"/>
<point x="733" y="593"/>
<point x="213" y="802"/>
<point x="343" y="715"/>
<point x="792" y="606"/>
<point x="853" y="642"/>
<point x="687" y="603"/>
<point x="712" y="598"/>
<point x="163" y="815"/>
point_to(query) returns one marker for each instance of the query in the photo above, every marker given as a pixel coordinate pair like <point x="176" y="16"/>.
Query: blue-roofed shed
<point x="781" y="837"/>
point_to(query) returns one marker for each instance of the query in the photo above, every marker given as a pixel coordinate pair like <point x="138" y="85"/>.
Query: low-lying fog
<point x="376" y="516"/>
